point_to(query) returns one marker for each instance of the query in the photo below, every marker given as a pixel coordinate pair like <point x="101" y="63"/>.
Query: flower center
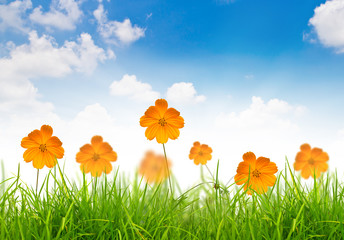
<point x="43" y="147"/>
<point x="96" y="156"/>
<point x="200" y="153"/>
<point x="311" y="161"/>
<point x="162" y="121"/>
<point x="256" y="173"/>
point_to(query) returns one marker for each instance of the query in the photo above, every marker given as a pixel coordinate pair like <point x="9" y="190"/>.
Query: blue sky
<point x="243" y="73"/>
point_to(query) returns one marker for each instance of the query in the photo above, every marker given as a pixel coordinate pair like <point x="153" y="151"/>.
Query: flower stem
<point x="210" y="172"/>
<point x="168" y="170"/>
<point x="37" y="180"/>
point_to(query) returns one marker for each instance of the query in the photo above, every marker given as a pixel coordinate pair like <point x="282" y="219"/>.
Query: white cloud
<point x="115" y="31"/>
<point x="249" y="76"/>
<point x="42" y="57"/>
<point x="130" y="86"/>
<point x="184" y="93"/>
<point x="328" y="24"/>
<point x="63" y="14"/>
<point x="11" y="15"/>
<point x="262" y="117"/>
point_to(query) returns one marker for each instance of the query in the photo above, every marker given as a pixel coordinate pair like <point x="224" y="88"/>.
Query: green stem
<point x="168" y="170"/>
<point x="37" y="180"/>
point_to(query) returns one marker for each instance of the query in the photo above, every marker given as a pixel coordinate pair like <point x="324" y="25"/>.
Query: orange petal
<point x="321" y="166"/>
<point x="172" y="132"/>
<point x="171" y="113"/>
<point x="87" y="149"/>
<point x="206" y="149"/>
<point x="36" y="136"/>
<point x="152" y="131"/>
<point x="161" y="105"/>
<point x="305" y="147"/>
<point x="153" y="112"/>
<point x="316" y="152"/>
<point x="96" y="141"/>
<point x="31" y="154"/>
<point x="244" y="168"/>
<point x="197" y="159"/>
<point x="196" y="144"/>
<point x="58" y="152"/>
<point x="249" y="157"/>
<point x="268" y="179"/>
<point x="109" y="156"/>
<point x="50" y="160"/>
<point x="195" y="150"/>
<point x="147" y="121"/>
<point x="46" y="132"/>
<point x="107" y="167"/>
<point x="161" y="135"/>
<point x="53" y="142"/>
<point x="83" y="157"/>
<point x="38" y="161"/>
<point x="323" y="157"/>
<point x="192" y="156"/>
<point x="298" y="165"/>
<point x="104" y="147"/>
<point x="302" y="156"/>
<point x="306" y="171"/>
<point x="240" y="178"/>
<point x="29" y="143"/>
<point x="262" y="162"/>
<point x="271" y="168"/>
<point x="177" y="122"/>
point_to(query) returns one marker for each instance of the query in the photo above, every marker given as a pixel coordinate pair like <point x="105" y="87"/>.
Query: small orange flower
<point x="162" y="123"/>
<point x="96" y="157"/>
<point x="200" y="153"/>
<point x="311" y="161"/>
<point x="256" y="174"/>
<point x="42" y="148"/>
<point x="153" y="167"/>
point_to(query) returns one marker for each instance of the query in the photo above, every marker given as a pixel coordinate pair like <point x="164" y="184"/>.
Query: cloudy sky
<point x="246" y="76"/>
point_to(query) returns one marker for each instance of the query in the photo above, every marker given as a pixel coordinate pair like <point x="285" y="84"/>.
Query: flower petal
<point x="29" y="143"/>
<point x="305" y="147"/>
<point x="152" y="131"/>
<point x="82" y="157"/>
<point x="315" y="152"/>
<point x="306" y="171"/>
<point x="146" y="121"/>
<point x="38" y="161"/>
<point x="153" y="112"/>
<point x="109" y="156"/>
<point x="46" y="132"/>
<point x="321" y="166"/>
<point x="171" y="113"/>
<point x="58" y="152"/>
<point x="298" y="165"/>
<point x="36" y="136"/>
<point x="323" y="157"/>
<point x="268" y="179"/>
<point x="87" y="149"/>
<point x="249" y="157"/>
<point x="177" y="122"/>
<point x="271" y="168"/>
<point x="240" y="179"/>
<point x="161" y="135"/>
<point x="161" y="105"/>
<point x="172" y="132"/>
<point x="262" y="162"/>
<point x="30" y="154"/>
<point x="49" y="159"/>
<point x="54" y="142"/>
<point x="104" y="147"/>
<point x="302" y="156"/>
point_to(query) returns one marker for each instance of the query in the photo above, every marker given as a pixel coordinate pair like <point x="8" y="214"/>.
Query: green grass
<point x="113" y="208"/>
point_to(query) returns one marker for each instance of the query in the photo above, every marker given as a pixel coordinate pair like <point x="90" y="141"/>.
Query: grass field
<point x="111" y="207"/>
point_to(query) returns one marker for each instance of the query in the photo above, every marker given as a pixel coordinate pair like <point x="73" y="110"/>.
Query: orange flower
<point x="200" y="153"/>
<point x="311" y="161"/>
<point x="153" y="167"/>
<point x="162" y="123"/>
<point x="256" y="174"/>
<point x="42" y="148"/>
<point x="96" y="157"/>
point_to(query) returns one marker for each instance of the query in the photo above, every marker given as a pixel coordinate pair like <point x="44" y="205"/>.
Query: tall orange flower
<point x="96" y="157"/>
<point x="311" y="161"/>
<point x="200" y="153"/>
<point x="256" y="174"/>
<point x="42" y="148"/>
<point x="153" y="167"/>
<point x="162" y="122"/>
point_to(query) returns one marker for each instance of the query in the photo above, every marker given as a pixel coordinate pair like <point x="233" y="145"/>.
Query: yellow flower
<point x="96" y="157"/>
<point x="42" y="148"/>
<point x="256" y="174"/>
<point x="200" y="153"/>
<point x="311" y="161"/>
<point x="162" y="123"/>
<point x="153" y="168"/>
